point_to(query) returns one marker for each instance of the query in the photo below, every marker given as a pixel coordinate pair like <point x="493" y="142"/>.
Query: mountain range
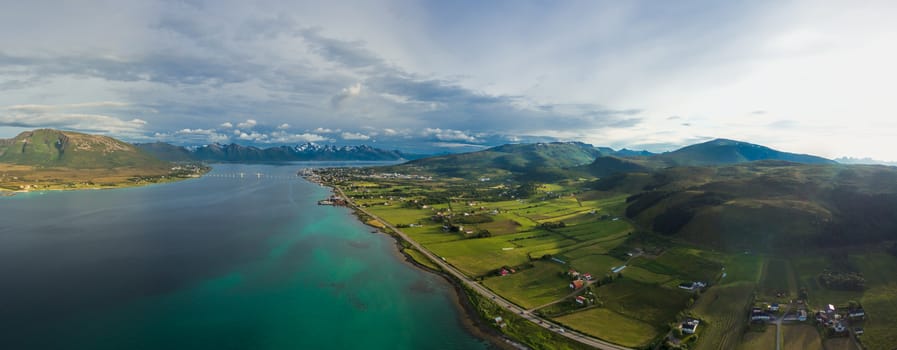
<point x="556" y="160"/>
<point x="239" y="153"/>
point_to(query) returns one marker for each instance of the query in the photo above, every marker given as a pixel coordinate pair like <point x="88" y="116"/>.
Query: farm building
<point x="692" y="285"/>
<point x="577" y="284"/>
<point x="690" y="326"/>
<point x="759" y="315"/>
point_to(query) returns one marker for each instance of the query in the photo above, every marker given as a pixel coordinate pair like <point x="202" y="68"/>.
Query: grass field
<point x="681" y="263"/>
<point x="611" y="326"/>
<point x="801" y="337"/>
<point x="651" y="304"/>
<point x="597" y="265"/>
<point x="397" y="215"/>
<point x="765" y="340"/>
<point x="778" y="277"/>
<point x="532" y="287"/>
<point x="421" y="258"/>
<point x="840" y="344"/>
<point x="742" y="268"/>
<point x="641" y="275"/>
<point x="724" y="311"/>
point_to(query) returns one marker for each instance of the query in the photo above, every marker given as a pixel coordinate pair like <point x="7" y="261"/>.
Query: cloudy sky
<point x="804" y="76"/>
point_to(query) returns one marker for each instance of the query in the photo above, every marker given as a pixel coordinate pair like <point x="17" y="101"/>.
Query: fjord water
<point x="219" y="262"/>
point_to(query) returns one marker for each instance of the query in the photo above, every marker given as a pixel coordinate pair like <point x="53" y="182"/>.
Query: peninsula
<point x="47" y="159"/>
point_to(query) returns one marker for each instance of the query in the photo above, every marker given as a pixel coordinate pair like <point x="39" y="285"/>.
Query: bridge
<point x="251" y="176"/>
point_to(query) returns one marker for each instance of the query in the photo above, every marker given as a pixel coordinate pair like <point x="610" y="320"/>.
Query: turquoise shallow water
<point x="211" y="263"/>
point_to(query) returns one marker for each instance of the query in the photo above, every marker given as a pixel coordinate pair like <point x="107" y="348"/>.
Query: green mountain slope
<point x="768" y="206"/>
<point x="538" y="161"/>
<point x="54" y="148"/>
<point x="610" y="165"/>
<point x="166" y="151"/>
<point x="722" y="151"/>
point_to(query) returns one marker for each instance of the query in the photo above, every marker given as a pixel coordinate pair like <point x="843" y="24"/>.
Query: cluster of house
<point x="333" y="200"/>
<point x="456" y="228"/>
<point x="506" y="271"/>
<point x="833" y="319"/>
<point x="801" y="316"/>
<point x="692" y="285"/>
<point x="758" y="315"/>
<point x="578" y="279"/>
<point x="689" y="325"/>
<point x="399" y="176"/>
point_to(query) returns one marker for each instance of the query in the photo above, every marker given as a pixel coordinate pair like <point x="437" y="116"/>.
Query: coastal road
<point x="473" y="285"/>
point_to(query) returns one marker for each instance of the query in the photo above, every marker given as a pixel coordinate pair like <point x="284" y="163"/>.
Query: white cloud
<point x="284" y="137"/>
<point x="449" y="135"/>
<point x="227" y="125"/>
<point x="195" y="131"/>
<point x="325" y="130"/>
<point x="283" y="126"/>
<point x="354" y="136"/>
<point x="254" y="136"/>
<point x="74" y="121"/>
<point x="44" y="108"/>
<point x="193" y="135"/>
<point x="248" y="124"/>
<point x="345" y="94"/>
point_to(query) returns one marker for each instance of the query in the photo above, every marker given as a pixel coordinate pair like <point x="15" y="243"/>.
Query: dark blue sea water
<point x="218" y="262"/>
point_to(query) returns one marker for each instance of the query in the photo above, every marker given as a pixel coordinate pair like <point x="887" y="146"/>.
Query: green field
<point x="778" y="277"/>
<point x="742" y="268"/>
<point x="529" y="288"/>
<point x="724" y="312"/>
<point x="682" y="263"/>
<point x="420" y="258"/>
<point x="840" y="344"/>
<point x="801" y="337"/>
<point x="611" y="326"/>
<point x="597" y="265"/>
<point x="765" y="340"/>
<point x="651" y="304"/>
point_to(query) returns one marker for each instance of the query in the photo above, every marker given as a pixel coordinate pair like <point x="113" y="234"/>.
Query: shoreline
<point x="10" y="193"/>
<point x="470" y="318"/>
<point x="5" y="192"/>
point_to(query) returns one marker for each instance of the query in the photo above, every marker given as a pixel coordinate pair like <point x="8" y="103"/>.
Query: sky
<point x="442" y="76"/>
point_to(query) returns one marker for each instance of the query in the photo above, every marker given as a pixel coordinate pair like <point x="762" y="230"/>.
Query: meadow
<point x="609" y="325"/>
<point x="545" y="282"/>
<point x="801" y="337"/>
<point x="723" y="310"/>
<point x="765" y="340"/>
